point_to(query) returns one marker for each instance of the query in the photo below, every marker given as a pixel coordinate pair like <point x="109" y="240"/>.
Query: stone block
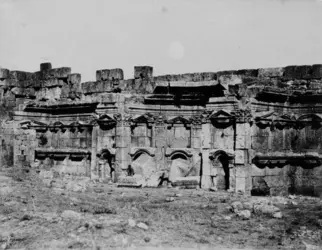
<point x="240" y="184"/>
<point x="316" y="71"/>
<point x="297" y="72"/>
<point x="20" y="75"/>
<point x="271" y="72"/>
<point x="256" y="171"/>
<point x="62" y="72"/>
<point x="205" y="136"/>
<point x="248" y="72"/>
<point x="240" y="141"/>
<point x="142" y="72"/>
<point x="4" y="73"/>
<point x="240" y="157"/>
<point x="45" y="66"/>
<point x="109" y="74"/>
<point x="275" y="180"/>
<point x="274" y="171"/>
<point x="260" y="143"/>
<point x="74" y="78"/>
<point x="241" y="172"/>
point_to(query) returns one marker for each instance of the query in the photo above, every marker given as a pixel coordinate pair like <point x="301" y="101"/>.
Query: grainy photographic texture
<point x="212" y="160"/>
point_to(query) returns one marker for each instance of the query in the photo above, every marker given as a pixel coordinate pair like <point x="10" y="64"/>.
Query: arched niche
<point x="106" y="160"/>
<point x="143" y="163"/>
<point x="180" y="165"/>
<point x="220" y="171"/>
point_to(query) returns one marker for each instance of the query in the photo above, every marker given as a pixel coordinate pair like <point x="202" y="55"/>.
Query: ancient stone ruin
<point x="257" y="131"/>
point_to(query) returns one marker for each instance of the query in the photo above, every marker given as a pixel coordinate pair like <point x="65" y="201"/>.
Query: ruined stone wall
<point x="254" y="130"/>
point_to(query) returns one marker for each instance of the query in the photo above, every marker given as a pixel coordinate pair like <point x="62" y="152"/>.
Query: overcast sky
<point x="173" y="36"/>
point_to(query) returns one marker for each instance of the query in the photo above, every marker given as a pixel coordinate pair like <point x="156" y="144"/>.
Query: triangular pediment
<point x="105" y="117"/>
<point x="145" y="118"/>
<point x="178" y="119"/>
<point x="220" y="114"/>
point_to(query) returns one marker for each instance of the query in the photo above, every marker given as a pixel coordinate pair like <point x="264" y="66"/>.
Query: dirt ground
<point x="33" y="216"/>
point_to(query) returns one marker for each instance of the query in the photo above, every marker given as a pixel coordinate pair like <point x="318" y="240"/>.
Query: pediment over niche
<point x="221" y="118"/>
<point x="220" y="114"/>
<point x="106" y="120"/>
<point x="145" y="118"/>
<point x="179" y="120"/>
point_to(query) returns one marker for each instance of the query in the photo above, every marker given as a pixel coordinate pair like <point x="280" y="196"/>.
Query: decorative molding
<point x="216" y="153"/>
<point x="59" y="153"/>
<point x="271" y="161"/>
<point x="243" y="115"/>
<point x="274" y="120"/>
<point x="138" y="150"/>
<point x="170" y="152"/>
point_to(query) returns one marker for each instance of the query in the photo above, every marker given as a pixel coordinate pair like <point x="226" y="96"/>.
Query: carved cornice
<point x="54" y="127"/>
<point x="61" y="154"/>
<point x="271" y="161"/>
<point x="281" y="121"/>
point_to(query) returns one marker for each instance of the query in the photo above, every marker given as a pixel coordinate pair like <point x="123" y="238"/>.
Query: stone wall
<point x="255" y="130"/>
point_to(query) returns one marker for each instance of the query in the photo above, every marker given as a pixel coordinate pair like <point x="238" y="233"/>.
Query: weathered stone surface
<point x="271" y="72"/>
<point x="57" y="73"/>
<point x="317" y="71"/>
<point x="266" y="122"/>
<point x="20" y="75"/>
<point x="74" y="78"/>
<point x="141" y="72"/>
<point x="109" y="74"/>
<point x="45" y="66"/>
<point x="297" y="72"/>
<point x="4" y="73"/>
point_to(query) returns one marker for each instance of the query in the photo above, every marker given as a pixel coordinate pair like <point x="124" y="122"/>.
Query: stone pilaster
<point x="242" y="159"/>
<point x="123" y="143"/>
<point x="206" y="181"/>
<point x="94" y="172"/>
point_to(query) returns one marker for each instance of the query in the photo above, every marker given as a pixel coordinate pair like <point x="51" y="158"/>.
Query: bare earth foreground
<point x="33" y="216"/>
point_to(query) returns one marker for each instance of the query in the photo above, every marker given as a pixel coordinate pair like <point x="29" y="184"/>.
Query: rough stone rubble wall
<point x="172" y="125"/>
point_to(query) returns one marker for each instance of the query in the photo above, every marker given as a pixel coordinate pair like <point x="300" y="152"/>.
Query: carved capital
<point x="243" y="115"/>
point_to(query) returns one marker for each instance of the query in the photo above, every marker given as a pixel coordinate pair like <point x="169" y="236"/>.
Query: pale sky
<point x="173" y="36"/>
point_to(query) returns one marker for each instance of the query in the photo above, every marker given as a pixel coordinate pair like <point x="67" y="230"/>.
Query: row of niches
<point x="305" y="161"/>
<point x="288" y="121"/>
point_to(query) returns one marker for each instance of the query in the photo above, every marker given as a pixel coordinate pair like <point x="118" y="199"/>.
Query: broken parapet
<point x="109" y="74"/>
<point x="143" y="72"/>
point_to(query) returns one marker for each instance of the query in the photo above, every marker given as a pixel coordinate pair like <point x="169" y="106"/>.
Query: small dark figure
<point x="130" y="171"/>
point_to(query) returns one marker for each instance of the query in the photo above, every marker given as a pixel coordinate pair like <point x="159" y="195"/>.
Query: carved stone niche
<point x="106" y="122"/>
<point x="305" y="161"/>
<point x="221" y="119"/>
